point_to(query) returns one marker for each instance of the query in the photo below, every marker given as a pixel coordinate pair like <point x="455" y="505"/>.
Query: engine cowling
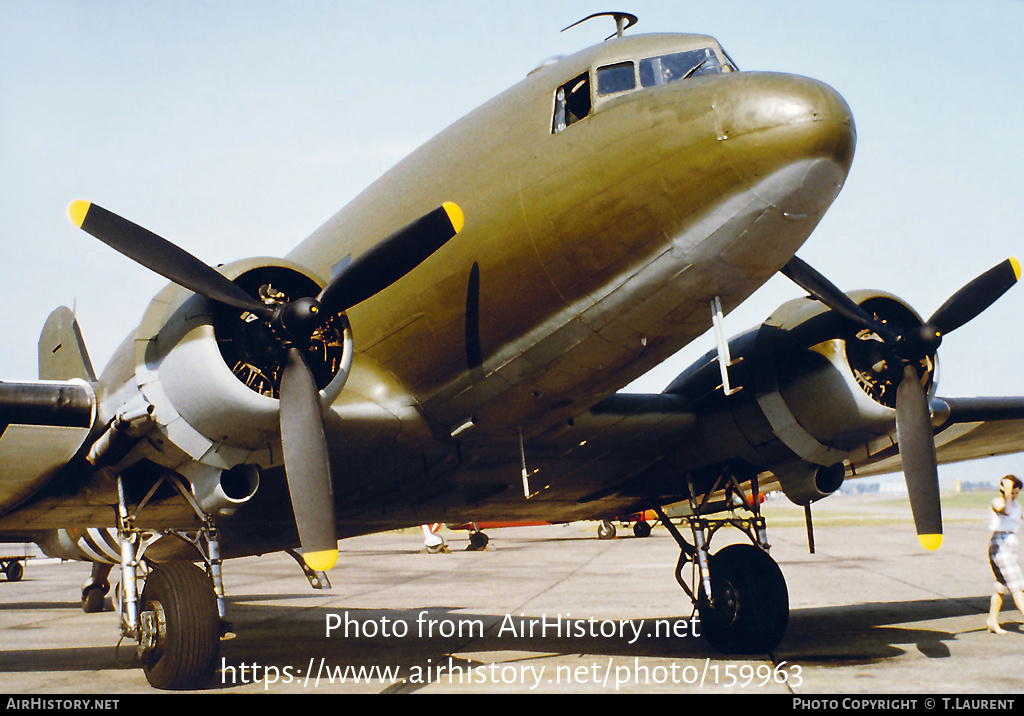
<point x="212" y="373"/>
<point x="816" y="390"/>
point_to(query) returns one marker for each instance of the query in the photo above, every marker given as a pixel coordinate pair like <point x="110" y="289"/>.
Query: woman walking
<point x="1002" y="551"/>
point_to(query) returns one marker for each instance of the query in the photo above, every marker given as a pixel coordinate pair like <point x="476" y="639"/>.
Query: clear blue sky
<point x="236" y="128"/>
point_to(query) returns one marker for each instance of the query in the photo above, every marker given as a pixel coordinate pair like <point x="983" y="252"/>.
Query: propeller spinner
<point x="304" y="445"/>
<point x="912" y="345"/>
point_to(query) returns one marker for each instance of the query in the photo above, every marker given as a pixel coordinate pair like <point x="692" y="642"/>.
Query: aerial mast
<point x="623" y="20"/>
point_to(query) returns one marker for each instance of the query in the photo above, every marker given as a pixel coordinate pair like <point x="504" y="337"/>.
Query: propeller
<point x="304" y="445"/>
<point x="913" y="345"/>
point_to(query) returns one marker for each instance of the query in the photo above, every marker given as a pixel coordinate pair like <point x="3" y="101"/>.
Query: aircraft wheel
<point x="606" y="530"/>
<point x="188" y="627"/>
<point x="478" y="541"/>
<point x="751" y="601"/>
<point x="642" y="529"/>
<point x="15" y="571"/>
<point x="93" y="599"/>
<point x="94" y="593"/>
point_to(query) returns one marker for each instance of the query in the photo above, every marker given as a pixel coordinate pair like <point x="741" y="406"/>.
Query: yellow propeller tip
<point x="931" y="542"/>
<point x="455" y="215"/>
<point x="77" y="211"/>
<point x="321" y="561"/>
<point x="1016" y="267"/>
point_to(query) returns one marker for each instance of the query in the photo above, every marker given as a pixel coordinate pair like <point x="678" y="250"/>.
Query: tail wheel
<point x="184" y="655"/>
<point x="751" y="602"/>
<point x="94" y="598"/>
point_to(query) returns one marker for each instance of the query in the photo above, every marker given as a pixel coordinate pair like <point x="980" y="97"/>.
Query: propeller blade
<point x="917" y="451"/>
<point x="392" y="258"/>
<point x="160" y="255"/>
<point x="975" y="297"/>
<point x="804" y="276"/>
<point x="306" y="463"/>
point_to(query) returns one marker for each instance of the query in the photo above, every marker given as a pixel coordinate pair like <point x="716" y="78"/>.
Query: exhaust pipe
<point x="229" y="490"/>
<point x="810" y="483"/>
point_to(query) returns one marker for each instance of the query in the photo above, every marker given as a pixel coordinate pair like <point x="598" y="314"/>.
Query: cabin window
<point x="572" y="102"/>
<point x="678" y="66"/>
<point x="616" y="78"/>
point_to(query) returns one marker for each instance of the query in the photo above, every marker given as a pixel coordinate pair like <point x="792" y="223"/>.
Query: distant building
<point x="975" y="486"/>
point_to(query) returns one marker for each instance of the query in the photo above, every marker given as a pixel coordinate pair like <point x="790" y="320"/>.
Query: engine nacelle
<point x="212" y="372"/>
<point x="815" y="390"/>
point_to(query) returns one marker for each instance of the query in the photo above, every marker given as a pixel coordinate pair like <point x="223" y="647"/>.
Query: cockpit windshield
<point x="573" y="102"/>
<point x="678" y="66"/>
<point x="622" y="76"/>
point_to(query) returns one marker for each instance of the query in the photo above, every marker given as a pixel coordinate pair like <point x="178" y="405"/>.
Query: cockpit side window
<point x="678" y="66"/>
<point x="572" y="102"/>
<point x="611" y="79"/>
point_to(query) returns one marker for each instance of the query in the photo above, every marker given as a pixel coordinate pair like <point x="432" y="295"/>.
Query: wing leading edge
<point x="965" y="429"/>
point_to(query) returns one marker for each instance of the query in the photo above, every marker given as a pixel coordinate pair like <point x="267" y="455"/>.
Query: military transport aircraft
<point x="449" y="347"/>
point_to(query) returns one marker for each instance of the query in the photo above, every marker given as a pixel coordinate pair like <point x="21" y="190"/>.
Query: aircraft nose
<point x="793" y="115"/>
<point x="789" y="139"/>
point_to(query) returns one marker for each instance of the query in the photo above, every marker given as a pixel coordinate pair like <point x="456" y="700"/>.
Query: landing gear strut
<point x="739" y="592"/>
<point x="179" y="618"/>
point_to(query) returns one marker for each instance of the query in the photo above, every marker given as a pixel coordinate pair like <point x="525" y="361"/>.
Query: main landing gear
<point x="178" y="620"/>
<point x="739" y="592"/>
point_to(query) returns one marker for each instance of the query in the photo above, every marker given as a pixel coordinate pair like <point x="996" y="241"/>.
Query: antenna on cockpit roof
<point x="620" y="18"/>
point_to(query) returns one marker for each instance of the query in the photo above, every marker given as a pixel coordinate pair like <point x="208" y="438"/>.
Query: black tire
<point x="94" y="594"/>
<point x="188" y="642"/>
<point x="477" y="542"/>
<point x="93" y="600"/>
<point x="751" y="601"/>
<point x="642" y="529"/>
<point x="15" y="571"/>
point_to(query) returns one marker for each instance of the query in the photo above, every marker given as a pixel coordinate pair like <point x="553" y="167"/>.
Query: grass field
<point x="849" y="510"/>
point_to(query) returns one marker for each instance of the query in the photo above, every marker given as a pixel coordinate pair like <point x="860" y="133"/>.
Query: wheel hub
<point x="153" y="632"/>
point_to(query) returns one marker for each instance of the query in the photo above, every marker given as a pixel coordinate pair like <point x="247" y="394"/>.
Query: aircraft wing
<point x="611" y="459"/>
<point x="638" y="420"/>
<point x="618" y="453"/>
<point x="628" y="427"/>
<point x="971" y="428"/>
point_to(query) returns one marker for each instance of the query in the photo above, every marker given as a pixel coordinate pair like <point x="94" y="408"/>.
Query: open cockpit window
<point x="678" y="66"/>
<point x="572" y="102"/>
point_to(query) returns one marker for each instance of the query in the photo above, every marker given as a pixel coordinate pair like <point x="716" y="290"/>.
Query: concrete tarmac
<point x="553" y="609"/>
